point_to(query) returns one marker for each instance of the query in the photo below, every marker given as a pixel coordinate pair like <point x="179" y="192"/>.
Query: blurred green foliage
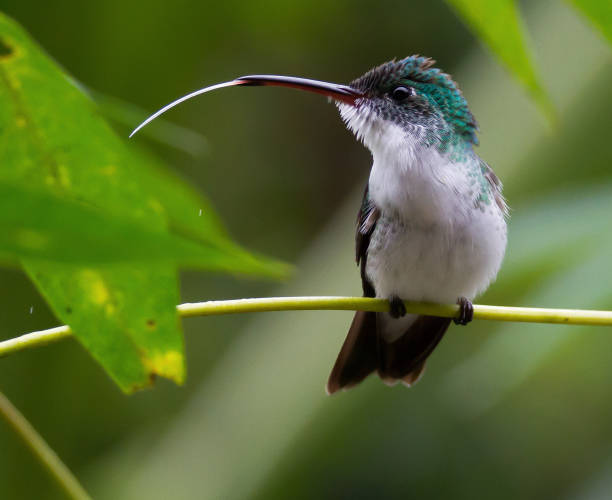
<point x="598" y="12"/>
<point x="503" y="411"/>
<point x="499" y="25"/>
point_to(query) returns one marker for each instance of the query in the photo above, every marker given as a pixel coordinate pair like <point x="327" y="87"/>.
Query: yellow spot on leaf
<point x="63" y="175"/>
<point x="109" y="170"/>
<point x="30" y="240"/>
<point x="96" y="288"/>
<point x="13" y="81"/>
<point x="156" y="206"/>
<point x="168" y="364"/>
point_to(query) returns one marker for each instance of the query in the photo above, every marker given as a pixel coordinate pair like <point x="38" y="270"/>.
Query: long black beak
<point x="342" y="93"/>
<point x="336" y="91"/>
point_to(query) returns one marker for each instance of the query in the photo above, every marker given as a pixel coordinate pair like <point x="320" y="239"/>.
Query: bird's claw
<point x="397" y="308"/>
<point x="466" y="311"/>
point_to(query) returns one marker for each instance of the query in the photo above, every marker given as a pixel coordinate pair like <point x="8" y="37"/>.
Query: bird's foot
<point x="466" y="311"/>
<point x="397" y="309"/>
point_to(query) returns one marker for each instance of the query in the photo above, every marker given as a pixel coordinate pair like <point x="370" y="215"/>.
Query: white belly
<point x="436" y="263"/>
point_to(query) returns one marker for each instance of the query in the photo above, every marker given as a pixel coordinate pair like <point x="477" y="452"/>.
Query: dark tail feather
<point x="404" y="359"/>
<point x="365" y="351"/>
<point x="359" y="354"/>
<point x="414" y="376"/>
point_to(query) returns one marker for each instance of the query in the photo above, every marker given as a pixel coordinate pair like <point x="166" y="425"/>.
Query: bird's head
<point x="406" y="98"/>
<point x="413" y="98"/>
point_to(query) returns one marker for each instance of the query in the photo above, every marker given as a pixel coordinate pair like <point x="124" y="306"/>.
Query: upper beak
<point x="335" y="91"/>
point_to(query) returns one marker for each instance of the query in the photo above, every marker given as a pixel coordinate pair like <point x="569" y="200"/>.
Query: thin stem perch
<point x="41" y="449"/>
<point x="216" y="307"/>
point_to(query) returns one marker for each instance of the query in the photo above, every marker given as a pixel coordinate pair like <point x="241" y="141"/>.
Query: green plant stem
<point x="497" y="313"/>
<point x="41" y="449"/>
<point x="41" y="337"/>
<point x="216" y="307"/>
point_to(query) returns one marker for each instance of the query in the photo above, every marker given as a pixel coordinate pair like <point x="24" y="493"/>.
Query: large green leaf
<point x="498" y="24"/>
<point x="43" y="226"/>
<point x="599" y="12"/>
<point x="135" y="335"/>
<point x="54" y="144"/>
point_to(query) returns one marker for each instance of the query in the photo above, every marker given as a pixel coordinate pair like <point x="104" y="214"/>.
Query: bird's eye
<point x="401" y="93"/>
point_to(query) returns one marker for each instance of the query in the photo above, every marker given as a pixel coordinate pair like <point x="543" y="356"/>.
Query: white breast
<point x="436" y="263"/>
<point x="431" y="242"/>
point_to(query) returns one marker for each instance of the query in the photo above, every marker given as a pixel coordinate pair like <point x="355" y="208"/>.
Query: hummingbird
<point x="432" y="222"/>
